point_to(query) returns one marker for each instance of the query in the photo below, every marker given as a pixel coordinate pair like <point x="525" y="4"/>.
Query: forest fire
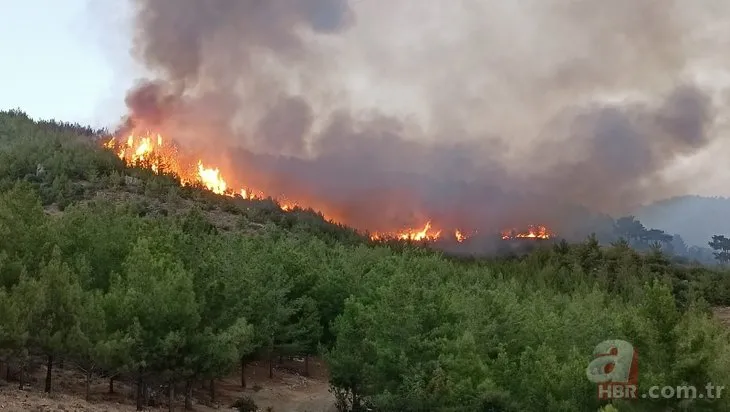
<point x="533" y="232"/>
<point x="424" y="233"/>
<point x="153" y="152"/>
<point x="212" y="179"/>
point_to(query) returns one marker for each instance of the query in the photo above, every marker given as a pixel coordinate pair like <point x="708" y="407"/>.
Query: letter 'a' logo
<point x="615" y="361"/>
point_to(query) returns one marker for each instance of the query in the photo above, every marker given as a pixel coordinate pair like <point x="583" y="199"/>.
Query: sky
<point x="69" y="60"/>
<point x="58" y="65"/>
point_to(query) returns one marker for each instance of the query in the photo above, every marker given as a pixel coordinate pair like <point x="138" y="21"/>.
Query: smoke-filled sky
<point x="471" y="111"/>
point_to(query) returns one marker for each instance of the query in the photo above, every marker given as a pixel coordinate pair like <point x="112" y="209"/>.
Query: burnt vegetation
<point x="124" y="274"/>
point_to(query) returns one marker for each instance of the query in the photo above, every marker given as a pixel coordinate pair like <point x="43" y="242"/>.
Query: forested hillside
<point x="124" y="274"/>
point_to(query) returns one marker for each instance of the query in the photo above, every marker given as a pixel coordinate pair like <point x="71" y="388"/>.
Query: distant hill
<point x="695" y="218"/>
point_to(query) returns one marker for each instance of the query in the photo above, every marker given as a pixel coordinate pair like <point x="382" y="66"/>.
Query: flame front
<point x="150" y="152"/>
<point x="424" y="233"/>
<point x="211" y="179"/>
<point x="533" y="232"/>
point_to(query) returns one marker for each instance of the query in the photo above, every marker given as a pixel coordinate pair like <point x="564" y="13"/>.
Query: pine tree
<point x="721" y="246"/>
<point x="56" y="312"/>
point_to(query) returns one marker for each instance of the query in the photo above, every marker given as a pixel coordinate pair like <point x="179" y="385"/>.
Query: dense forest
<point x="125" y="274"/>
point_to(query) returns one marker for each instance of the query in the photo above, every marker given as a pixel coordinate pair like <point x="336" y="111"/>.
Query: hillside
<point x="116" y="275"/>
<point x="695" y="218"/>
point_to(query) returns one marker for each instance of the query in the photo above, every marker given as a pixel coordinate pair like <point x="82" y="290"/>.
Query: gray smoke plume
<point x="476" y="114"/>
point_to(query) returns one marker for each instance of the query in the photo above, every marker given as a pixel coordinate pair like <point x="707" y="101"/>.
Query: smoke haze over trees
<point x="695" y="217"/>
<point x="476" y="114"/>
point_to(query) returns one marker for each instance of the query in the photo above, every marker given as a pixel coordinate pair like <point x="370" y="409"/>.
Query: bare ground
<point x="288" y="391"/>
<point x="723" y="314"/>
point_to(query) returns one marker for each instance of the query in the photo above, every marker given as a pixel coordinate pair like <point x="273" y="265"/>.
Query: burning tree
<point x="532" y="232"/>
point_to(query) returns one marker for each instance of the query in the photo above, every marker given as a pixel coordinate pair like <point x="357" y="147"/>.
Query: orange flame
<point x="422" y="234"/>
<point x="533" y="232"/>
<point x="411" y="234"/>
<point x="251" y="194"/>
<point x="211" y="179"/>
<point x="149" y="151"/>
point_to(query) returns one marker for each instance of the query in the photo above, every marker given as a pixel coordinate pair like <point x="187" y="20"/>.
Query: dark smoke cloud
<point x="176" y="36"/>
<point x="619" y="150"/>
<point x="150" y="103"/>
<point x="475" y="114"/>
<point x="285" y="124"/>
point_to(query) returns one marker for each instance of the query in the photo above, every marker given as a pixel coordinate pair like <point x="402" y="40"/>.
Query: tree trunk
<point x="171" y="397"/>
<point x="140" y="394"/>
<point x="243" y="373"/>
<point x="281" y="359"/>
<point x="49" y="370"/>
<point x="111" y="385"/>
<point x="355" y="400"/>
<point x="60" y="364"/>
<point x="271" y="366"/>
<point x="146" y="392"/>
<point x="21" y="375"/>
<point x="306" y="365"/>
<point x="212" y="391"/>
<point x="88" y="384"/>
<point x="188" y="394"/>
